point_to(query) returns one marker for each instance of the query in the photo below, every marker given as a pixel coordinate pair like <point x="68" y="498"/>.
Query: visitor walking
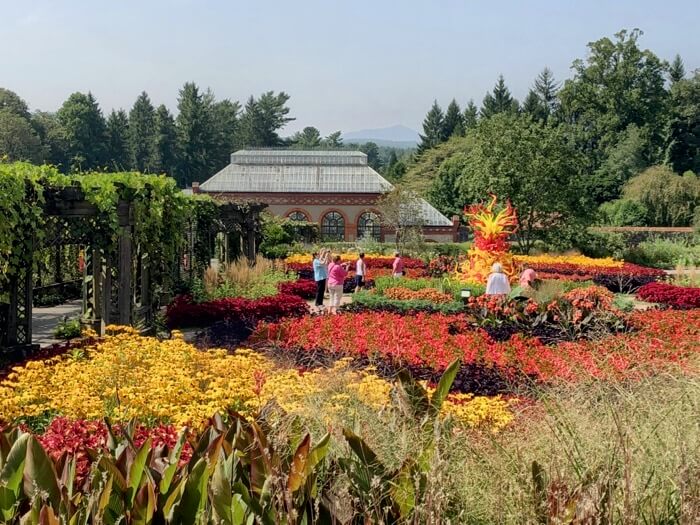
<point x="337" y="273"/>
<point x="497" y="282"/>
<point x="360" y="270"/>
<point x="397" y="266"/>
<point x="320" y="265"/>
<point x="528" y="277"/>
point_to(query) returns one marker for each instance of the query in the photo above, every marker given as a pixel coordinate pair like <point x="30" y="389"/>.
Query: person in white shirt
<point x="360" y="271"/>
<point x="497" y="283"/>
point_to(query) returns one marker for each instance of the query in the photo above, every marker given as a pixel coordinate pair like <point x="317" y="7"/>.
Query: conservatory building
<point x="336" y="189"/>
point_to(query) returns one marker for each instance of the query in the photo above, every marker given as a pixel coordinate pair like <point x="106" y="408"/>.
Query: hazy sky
<point x="350" y="65"/>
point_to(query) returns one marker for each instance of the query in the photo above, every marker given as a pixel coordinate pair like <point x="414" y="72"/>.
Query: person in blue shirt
<point x="320" y="264"/>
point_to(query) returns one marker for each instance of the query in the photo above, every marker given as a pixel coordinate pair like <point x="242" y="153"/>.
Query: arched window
<point x="333" y="227"/>
<point x="298" y="216"/>
<point x="368" y="225"/>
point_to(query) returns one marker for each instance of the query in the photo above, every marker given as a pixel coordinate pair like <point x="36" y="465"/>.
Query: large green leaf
<point x="12" y="470"/>
<point x="144" y="505"/>
<point x="415" y="393"/>
<point x="220" y="491"/>
<point x="366" y="455"/>
<point x="194" y="497"/>
<point x="443" y="387"/>
<point x="403" y="490"/>
<point x="136" y="470"/>
<point x="297" y="469"/>
<point x="173" y="460"/>
<point x="39" y="473"/>
<point x="172" y="501"/>
<point x="318" y="453"/>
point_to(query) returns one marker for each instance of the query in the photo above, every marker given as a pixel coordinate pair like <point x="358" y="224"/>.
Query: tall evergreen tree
<point x="142" y="134"/>
<point x="85" y="132"/>
<point x="165" y="142"/>
<point x="119" y="151"/>
<point x="53" y="139"/>
<point x="334" y="140"/>
<point x="547" y="88"/>
<point x="374" y="160"/>
<point x="263" y="118"/>
<point x="194" y="135"/>
<point x="308" y="138"/>
<point x="225" y="115"/>
<point x="471" y="116"/>
<point x="676" y="70"/>
<point x="533" y="106"/>
<point x="683" y="136"/>
<point x="499" y="100"/>
<point x="433" y="128"/>
<point x="453" y="123"/>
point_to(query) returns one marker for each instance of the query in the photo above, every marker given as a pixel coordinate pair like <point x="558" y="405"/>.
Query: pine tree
<point x="225" y="115"/>
<point x="453" y="124"/>
<point x="165" y="142"/>
<point x="85" y="132"/>
<point x="546" y="89"/>
<point x="142" y="134"/>
<point x="308" y="138"/>
<point x="194" y="135"/>
<point x="533" y="106"/>
<point x="433" y="128"/>
<point x="676" y="70"/>
<point x="471" y="116"/>
<point x="499" y="100"/>
<point x="334" y="140"/>
<point x="119" y="156"/>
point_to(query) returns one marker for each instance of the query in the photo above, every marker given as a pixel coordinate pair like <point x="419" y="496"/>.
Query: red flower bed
<point x="75" y="438"/>
<point x="662" y="339"/>
<point x="679" y="297"/>
<point x="625" y="279"/>
<point x="304" y="288"/>
<point x="184" y="312"/>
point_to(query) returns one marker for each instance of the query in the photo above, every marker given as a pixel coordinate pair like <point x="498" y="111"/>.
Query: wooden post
<point x="124" y="293"/>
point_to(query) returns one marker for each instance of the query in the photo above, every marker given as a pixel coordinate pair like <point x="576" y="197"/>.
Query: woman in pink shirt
<point x="397" y="267"/>
<point x="336" y="277"/>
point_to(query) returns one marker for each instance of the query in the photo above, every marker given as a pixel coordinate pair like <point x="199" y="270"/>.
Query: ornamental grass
<point x="128" y="376"/>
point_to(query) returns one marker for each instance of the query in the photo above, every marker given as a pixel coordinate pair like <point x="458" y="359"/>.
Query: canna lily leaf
<point x="137" y="469"/>
<point x="297" y="470"/>
<point x="443" y="387"/>
<point x="39" y="473"/>
<point x="144" y="505"/>
<point x="367" y="456"/>
<point x="47" y="516"/>
<point x="173" y="460"/>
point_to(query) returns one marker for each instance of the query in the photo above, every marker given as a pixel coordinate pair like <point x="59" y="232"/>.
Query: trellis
<point x="117" y="279"/>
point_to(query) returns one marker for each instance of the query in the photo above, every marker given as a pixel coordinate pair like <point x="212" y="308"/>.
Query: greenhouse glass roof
<point x="299" y="171"/>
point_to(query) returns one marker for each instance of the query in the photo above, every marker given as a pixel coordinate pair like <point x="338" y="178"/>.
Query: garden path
<point x="45" y="320"/>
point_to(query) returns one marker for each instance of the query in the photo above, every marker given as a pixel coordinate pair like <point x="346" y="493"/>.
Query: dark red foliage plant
<point x="679" y="297"/>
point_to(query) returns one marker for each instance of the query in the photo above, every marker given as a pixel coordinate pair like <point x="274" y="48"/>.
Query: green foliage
<point x="533" y="165"/>
<point x="280" y="233"/>
<point x="683" y="143"/>
<point x="433" y="129"/>
<point x="85" y="132"/>
<point x="308" y="138"/>
<point x="142" y="135"/>
<point x="664" y="253"/>
<point x="499" y="101"/>
<point x="453" y="123"/>
<point x="623" y="212"/>
<point x="602" y="244"/>
<point x="363" y="301"/>
<point x="669" y="198"/>
<point x="119" y="153"/>
<point x="68" y="329"/>
<point x="18" y="141"/>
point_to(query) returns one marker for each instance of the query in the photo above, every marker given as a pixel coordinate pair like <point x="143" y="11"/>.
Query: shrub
<point x="664" y="253"/>
<point x="679" y="297"/>
<point x="624" y="212"/>
<point x="68" y="329"/>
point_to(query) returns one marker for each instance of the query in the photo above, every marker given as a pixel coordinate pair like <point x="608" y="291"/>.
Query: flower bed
<point x="625" y="278"/>
<point x="185" y="312"/>
<point x="662" y="340"/>
<point x="570" y="260"/>
<point x="679" y="297"/>
<point x="372" y="261"/>
<point x="424" y="294"/>
<point x="304" y="288"/>
<point x="127" y="375"/>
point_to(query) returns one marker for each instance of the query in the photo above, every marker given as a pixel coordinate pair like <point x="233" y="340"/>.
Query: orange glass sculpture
<point x="491" y="231"/>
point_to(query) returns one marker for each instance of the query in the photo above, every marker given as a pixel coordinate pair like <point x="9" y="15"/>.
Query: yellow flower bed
<point x="580" y="260"/>
<point x="126" y="375"/>
<point x="347" y="257"/>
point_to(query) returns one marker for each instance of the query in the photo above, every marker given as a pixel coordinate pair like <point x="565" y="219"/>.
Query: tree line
<point x="571" y="147"/>
<point x="191" y="146"/>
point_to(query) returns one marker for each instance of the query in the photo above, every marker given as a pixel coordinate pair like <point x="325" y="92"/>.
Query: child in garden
<point x="497" y="282"/>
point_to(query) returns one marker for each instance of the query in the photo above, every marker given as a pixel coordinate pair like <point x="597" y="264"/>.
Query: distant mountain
<point x="396" y="136"/>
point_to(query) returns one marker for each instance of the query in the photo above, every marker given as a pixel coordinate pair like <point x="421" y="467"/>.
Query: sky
<point x="346" y="65"/>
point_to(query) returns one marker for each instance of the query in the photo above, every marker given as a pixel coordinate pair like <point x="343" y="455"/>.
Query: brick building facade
<point x="336" y="189"/>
